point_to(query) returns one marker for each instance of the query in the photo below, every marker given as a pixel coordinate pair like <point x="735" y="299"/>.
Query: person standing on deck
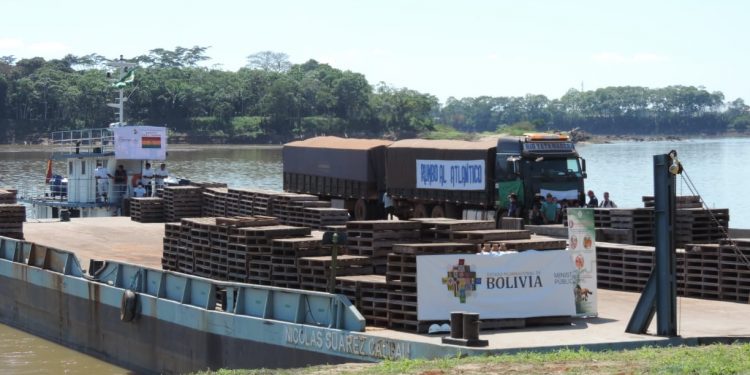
<point x="121" y="181"/>
<point x="388" y="205"/>
<point x="606" y="202"/>
<point x="593" y="202"/>
<point x="161" y="174"/>
<point x="102" y="182"/>
<point x="514" y="210"/>
<point x="550" y="210"/>
<point x="146" y="176"/>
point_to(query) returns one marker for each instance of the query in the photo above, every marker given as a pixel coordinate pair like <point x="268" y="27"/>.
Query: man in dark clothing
<point x="514" y="210"/>
<point x="121" y="181"/>
<point x="593" y="202"/>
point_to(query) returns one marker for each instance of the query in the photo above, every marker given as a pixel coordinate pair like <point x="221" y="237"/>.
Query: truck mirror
<point x="583" y="165"/>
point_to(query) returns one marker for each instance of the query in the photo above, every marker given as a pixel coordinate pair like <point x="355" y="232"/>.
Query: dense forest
<point x="273" y="100"/>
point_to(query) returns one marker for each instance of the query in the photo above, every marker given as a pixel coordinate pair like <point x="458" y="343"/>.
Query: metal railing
<point x="98" y="141"/>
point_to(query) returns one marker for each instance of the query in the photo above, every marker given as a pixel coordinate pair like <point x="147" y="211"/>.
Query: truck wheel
<point x="360" y="210"/>
<point x="438" y="211"/>
<point x="420" y="210"/>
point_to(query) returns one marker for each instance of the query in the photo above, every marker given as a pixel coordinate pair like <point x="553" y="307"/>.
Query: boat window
<point x="83" y="167"/>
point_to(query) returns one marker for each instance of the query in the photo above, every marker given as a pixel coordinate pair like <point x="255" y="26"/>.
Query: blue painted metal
<point x="660" y="293"/>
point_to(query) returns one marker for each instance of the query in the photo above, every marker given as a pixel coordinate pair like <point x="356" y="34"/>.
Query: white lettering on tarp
<point x="347" y="343"/>
<point x="451" y="174"/>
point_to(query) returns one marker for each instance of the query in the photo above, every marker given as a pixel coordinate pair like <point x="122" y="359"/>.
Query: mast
<point x="122" y="68"/>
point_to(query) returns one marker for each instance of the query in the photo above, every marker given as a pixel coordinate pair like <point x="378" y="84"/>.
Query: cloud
<point x="47" y="47"/>
<point x="636" y="58"/>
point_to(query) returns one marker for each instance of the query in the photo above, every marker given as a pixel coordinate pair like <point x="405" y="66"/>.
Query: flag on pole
<point x="126" y="80"/>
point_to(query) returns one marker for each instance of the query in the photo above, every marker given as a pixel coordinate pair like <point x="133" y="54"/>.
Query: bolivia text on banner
<point x="513" y="285"/>
<point x="451" y="174"/>
<point x="582" y="240"/>
<point x="141" y="143"/>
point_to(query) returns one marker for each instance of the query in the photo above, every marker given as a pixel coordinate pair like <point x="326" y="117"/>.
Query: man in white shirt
<point x="160" y="175"/>
<point x="146" y="177"/>
<point x="102" y="182"/>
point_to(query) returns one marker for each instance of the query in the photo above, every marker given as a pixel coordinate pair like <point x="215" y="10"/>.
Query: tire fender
<point x="128" y="305"/>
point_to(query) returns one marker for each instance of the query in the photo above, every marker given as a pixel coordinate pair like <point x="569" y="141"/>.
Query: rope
<point x="732" y="243"/>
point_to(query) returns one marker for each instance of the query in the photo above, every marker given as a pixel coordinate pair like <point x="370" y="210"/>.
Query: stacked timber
<point x="375" y="238"/>
<point x="253" y="246"/>
<point x="8" y="196"/>
<point x="533" y="242"/>
<point x="441" y="229"/>
<point x="173" y="247"/>
<point x="315" y="272"/>
<point x="147" y="210"/>
<point x="182" y="201"/>
<point x="697" y="225"/>
<point x="289" y="208"/>
<point x="710" y="271"/>
<point x="734" y="256"/>
<point x="639" y="221"/>
<point x="285" y="254"/>
<point x="401" y="278"/>
<point x="683" y="201"/>
<point x="215" y="201"/>
<point x="12" y="217"/>
<point x="369" y="293"/>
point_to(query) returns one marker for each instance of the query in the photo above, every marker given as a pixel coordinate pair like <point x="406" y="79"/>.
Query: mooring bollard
<point x="457" y="325"/>
<point x="471" y="326"/>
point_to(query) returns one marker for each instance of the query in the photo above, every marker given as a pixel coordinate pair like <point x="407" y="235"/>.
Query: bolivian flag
<point x="151" y="142"/>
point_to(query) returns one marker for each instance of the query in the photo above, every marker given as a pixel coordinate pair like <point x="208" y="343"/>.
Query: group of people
<point x="142" y="187"/>
<point x="549" y="210"/>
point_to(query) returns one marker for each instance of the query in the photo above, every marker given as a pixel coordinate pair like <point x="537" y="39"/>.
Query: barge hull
<point x="148" y="345"/>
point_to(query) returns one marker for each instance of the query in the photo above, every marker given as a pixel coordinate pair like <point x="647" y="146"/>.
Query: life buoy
<point x="135" y="180"/>
<point x="128" y="305"/>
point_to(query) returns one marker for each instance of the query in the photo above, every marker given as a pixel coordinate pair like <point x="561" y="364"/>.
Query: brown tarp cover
<point x="402" y="156"/>
<point x="343" y="158"/>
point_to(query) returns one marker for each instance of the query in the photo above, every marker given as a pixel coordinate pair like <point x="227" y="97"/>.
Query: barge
<point x="182" y="325"/>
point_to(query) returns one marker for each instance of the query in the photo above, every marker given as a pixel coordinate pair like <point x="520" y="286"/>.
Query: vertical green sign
<point x="582" y="247"/>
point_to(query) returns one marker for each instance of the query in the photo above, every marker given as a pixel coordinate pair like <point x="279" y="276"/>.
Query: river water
<point x="717" y="168"/>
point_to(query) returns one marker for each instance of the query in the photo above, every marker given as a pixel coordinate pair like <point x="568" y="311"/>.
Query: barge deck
<point x="120" y="239"/>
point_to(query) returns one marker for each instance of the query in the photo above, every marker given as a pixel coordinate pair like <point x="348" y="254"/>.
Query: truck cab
<point x="537" y="163"/>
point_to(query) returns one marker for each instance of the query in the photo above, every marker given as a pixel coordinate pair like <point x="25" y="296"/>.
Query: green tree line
<point x="273" y="100"/>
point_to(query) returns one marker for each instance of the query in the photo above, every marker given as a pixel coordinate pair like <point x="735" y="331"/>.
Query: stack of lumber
<point x="215" y="201"/>
<point x="289" y="208"/>
<point x="253" y="246"/>
<point x="696" y="225"/>
<point x="173" y="248"/>
<point x="285" y="253"/>
<point x="182" y="201"/>
<point x="315" y="272"/>
<point x="8" y="196"/>
<point x="683" y="201"/>
<point x="441" y="229"/>
<point x="375" y="238"/>
<point x="369" y="293"/>
<point x="735" y="270"/>
<point x="534" y="242"/>
<point x="639" y="221"/>
<point x="147" y="210"/>
<point x="12" y="217"/>
<point x="710" y="271"/>
<point x="481" y="236"/>
<point x="401" y="278"/>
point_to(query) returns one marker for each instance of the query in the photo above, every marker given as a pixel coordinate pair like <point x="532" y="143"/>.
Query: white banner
<point x="451" y="174"/>
<point x="141" y="143"/>
<point x="582" y="241"/>
<point x="513" y="285"/>
<point x="560" y="194"/>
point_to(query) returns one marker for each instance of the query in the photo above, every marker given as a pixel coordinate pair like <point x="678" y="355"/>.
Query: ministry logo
<point x="461" y="280"/>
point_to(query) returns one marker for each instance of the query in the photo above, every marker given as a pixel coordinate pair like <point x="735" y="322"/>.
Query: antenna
<point x="122" y="68"/>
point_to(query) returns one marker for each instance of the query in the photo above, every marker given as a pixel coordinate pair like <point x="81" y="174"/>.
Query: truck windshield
<point x="555" y="167"/>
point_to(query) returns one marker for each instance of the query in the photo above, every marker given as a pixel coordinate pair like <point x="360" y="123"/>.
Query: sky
<point x="444" y="48"/>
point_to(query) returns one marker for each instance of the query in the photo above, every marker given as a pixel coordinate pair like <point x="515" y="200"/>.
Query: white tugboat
<point x="92" y="185"/>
